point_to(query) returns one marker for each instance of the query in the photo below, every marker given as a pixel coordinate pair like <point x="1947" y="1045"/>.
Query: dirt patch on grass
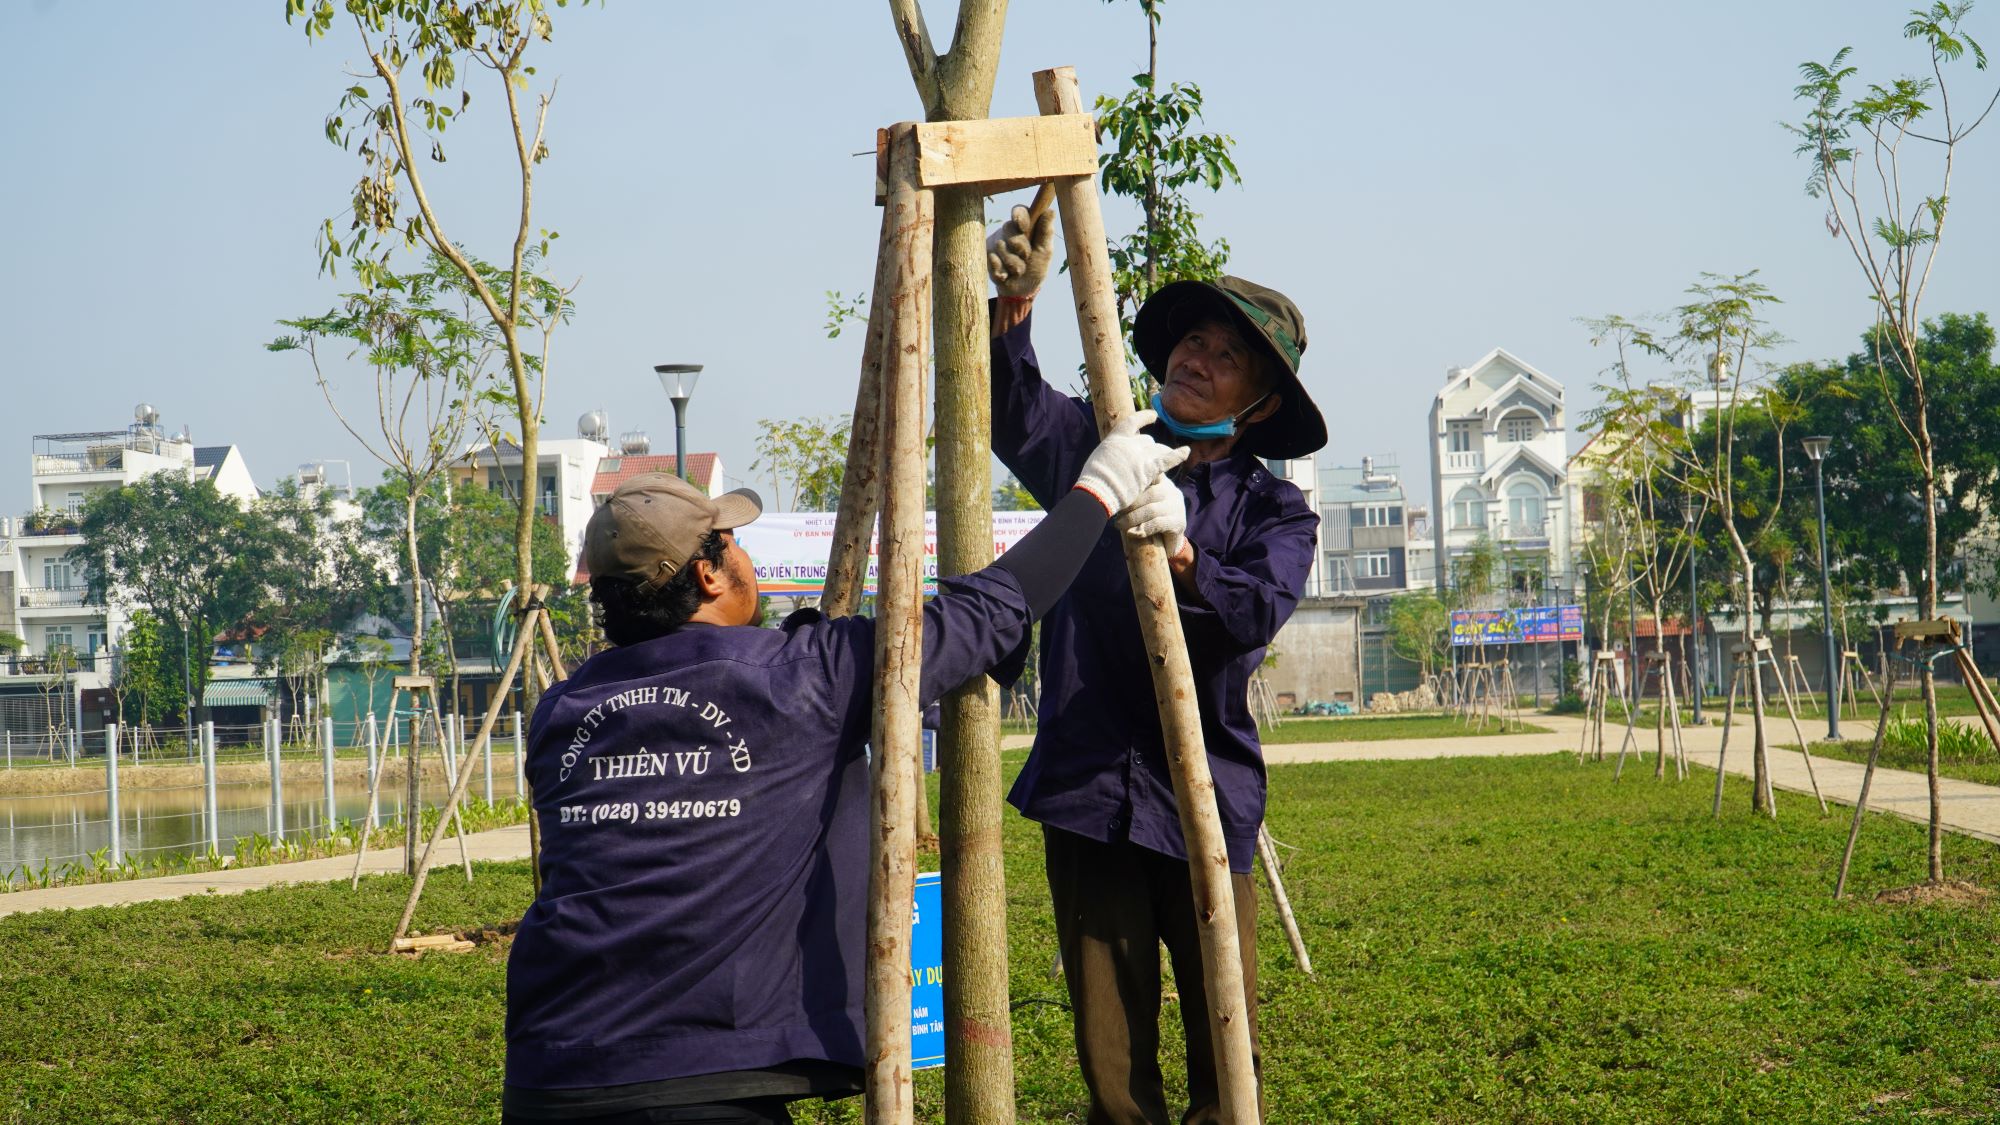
<point x="489" y="935"/>
<point x="1955" y="892"/>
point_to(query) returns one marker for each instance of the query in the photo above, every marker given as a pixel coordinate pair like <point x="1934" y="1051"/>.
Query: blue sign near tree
<point x="927" y="974"/>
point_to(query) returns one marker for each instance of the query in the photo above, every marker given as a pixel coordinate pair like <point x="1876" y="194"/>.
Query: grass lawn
<point x="1982" y="768"/>
<point x="1372" y="728"/>
<point x="1908" y="700"/>
<point x="1497" y="940"/>
<point x="1964" y="750"/>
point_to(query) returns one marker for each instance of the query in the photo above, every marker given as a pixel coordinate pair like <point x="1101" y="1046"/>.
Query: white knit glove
<point x="1159" y="510"/>
<point x="1126" y="462"/>
<point x="1018" y="259"/>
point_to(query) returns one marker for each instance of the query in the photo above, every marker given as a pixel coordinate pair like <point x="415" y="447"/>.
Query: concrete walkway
<point x="498" y="844"/>
<point x="1970" y="809"/>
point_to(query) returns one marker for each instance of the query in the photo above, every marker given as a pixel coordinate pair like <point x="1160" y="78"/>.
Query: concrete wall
<point x="1317" y="658"/>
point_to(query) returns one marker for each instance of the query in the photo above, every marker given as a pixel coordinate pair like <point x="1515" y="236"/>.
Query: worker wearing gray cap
<point x="696" y="951"/>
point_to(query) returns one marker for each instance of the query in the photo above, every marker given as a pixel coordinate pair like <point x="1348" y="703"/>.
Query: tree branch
<point x="917" y="51"/>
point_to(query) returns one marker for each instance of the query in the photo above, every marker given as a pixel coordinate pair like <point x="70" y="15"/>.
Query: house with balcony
<point x="564" y="471"/>
<point x="1362" y="529"/>
<point x="44" y="597"/>
<point x="1499" y="470"/>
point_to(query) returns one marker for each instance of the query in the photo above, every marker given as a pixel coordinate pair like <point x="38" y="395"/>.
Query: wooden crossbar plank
<point x="1001" y="154"/>
<point x="997" y="155"/>
<point x="1943" y="627"/>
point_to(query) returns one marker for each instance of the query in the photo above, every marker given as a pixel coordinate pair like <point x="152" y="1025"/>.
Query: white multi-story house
<point x="570" y="473"/>
<point x="564" y="471"/>
<point x="1499" y="457"/>
<point x="43" y="596"/>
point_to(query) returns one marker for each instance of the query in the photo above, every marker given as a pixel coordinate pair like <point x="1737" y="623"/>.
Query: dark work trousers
<point x="754" y="1111"/>
<point x="1115" y="904"/>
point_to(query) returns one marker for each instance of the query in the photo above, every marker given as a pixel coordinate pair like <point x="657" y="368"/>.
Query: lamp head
<point x="678" y="379"/>
<point x="1817" y="446"/>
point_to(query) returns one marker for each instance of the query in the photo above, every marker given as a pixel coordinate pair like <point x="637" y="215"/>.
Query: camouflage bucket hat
<point x="1263" y="316"/>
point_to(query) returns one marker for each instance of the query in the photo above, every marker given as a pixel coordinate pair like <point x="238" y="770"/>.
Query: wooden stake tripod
<point x="1800" y="686"/>
<point x="1753" y="662"/>
<point x="1001" y="155"/>
<point x="535" y="630"/>
<point x="1660" y="670"/>
<point x="1938" y="637"/>
<point x="1603" y="689"/>
<point x="419" y="688"/>
<point x="1853" y="675"/>
<point x="1483" y="688"/>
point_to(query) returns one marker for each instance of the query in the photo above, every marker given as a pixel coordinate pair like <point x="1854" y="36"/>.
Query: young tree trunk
<point x="1760" y="761"/>
<point x="1666" y="701"/>
<point x="1927" y="609"/>
<point x="411" y="782"/>
<point x="979" y="1083"/>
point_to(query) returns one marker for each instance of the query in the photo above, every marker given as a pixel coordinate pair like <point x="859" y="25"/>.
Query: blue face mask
<point x="1203" y="431"/>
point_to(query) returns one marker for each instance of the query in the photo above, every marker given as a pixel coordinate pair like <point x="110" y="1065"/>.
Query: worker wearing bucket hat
<point x="696" y="951"/>
<point x="1226" y="354"/>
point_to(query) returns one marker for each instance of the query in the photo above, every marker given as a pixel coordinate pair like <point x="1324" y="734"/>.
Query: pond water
<point x="67" y="828"/>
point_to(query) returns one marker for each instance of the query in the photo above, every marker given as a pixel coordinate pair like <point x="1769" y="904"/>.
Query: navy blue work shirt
<point x="704" y="809"/>
<point x="1099" y="767"/>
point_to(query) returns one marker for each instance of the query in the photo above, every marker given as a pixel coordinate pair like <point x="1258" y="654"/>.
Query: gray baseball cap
<point x="655" y="522"/>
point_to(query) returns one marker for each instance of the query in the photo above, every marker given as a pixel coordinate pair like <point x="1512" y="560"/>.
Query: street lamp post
<point x="678" y="380"/>
<point x="1816" y="448"/>
<point x="1694" y="686"/>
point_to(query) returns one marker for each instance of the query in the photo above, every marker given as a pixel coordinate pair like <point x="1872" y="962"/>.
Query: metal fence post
<point x="487" y="750"/>
<point x="520" y="761"/>
<point x="449" y="725"/>
<point x="274" y="750"/>
<point x="208" y="786"/>
<point x="10" y="749"/>
<point x="373" y="765"/>
<point x="111" y="786"/>
<point x="326" y="735"/>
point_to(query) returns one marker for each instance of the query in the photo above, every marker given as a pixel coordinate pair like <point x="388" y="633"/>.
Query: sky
<point x="1426" y="183"/>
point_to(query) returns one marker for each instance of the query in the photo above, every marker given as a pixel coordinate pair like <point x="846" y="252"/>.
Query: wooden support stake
<point x="1728" y="722"/>
<point x="1982" y="698"/>
<point x="1268" y="852"/>
<point x="374" y="794"/>
<point x="1861" y="801"/>
<point x="1166" y="646"/>
<point x="898" y="723"/>
<point x="1805" y="746"/>
<point x="861" y="486"/>
<point x="524" y="642"/>
<point x="413" y="767"/>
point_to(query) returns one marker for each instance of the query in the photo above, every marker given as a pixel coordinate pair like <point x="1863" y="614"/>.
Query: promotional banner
<point x="1537" y="625"/>
<point x="790" y="549"/>
<point x="927" y="974"/>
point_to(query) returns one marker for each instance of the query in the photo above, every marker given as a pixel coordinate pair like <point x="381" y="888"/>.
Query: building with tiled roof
<point x="704" y="472"/>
